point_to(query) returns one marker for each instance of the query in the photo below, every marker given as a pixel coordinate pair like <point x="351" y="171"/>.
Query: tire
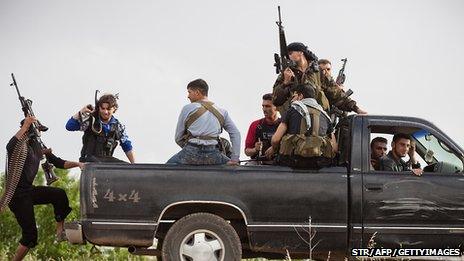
<point x="201" y="237"/>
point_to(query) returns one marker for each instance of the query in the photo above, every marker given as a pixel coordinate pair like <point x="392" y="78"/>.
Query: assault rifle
<point x="282" y="61"/>
<point x="36" y="128"/>
<point x="341" y="74"/>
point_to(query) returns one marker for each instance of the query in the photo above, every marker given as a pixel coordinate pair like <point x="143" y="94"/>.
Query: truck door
<point x="400" y="209"/>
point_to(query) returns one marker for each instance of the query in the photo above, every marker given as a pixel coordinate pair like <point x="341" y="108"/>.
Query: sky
<point x="404" y="58"/>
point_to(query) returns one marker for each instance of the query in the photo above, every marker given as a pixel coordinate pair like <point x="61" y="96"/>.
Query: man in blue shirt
<point x="102" y="131"/>
<point x="198" y="128"/>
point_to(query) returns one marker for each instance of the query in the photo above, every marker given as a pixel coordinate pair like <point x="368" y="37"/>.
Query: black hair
<point x="378" y="139"/>
<point x="305" y="89"/>
<point x="323" y="61"/>
<point x="399" y="136"/>
<point x="111" y="99"/>
<point x="267" y="97"/>
<point x="200" y="85"/>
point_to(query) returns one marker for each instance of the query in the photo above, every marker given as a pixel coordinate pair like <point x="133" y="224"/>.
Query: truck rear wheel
<point x="201" y="237"/>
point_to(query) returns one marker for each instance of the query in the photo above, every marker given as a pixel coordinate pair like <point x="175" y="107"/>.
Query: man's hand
<point x="26" y="124"/>
<point x="412" y="149"/>
<point x="269" y="153"/>
<point x="288" y="74"/>
<point x="233" y="163"/>
<point x="360" y="111"/>
<point x="28" y="121"/>
<point x="258" y="146"/>
<point x="374" y="163"/>
<point x="87" y="109"/>
<point x="81" y="165"/>
<point x="412" y="153"/>
<point x="47" y="151"/>
<point x="417" y="172"/>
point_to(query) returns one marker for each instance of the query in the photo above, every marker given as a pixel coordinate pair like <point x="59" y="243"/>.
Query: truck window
<point x="437" y="152"/>
<point x="432" y="154"/>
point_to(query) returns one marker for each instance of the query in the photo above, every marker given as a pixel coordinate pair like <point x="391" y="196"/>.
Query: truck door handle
<point x="374" y="187"/>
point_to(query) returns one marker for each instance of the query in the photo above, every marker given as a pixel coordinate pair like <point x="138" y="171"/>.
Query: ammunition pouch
<point x="306" y="146"/>
<point x="308" y="143"/>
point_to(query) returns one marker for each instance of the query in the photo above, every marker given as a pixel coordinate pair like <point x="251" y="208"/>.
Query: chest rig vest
<point x="309" y="142"/>
<point x="96" y="142"/>
<point x="264" y="133"/>
<point x="205" y="106"/>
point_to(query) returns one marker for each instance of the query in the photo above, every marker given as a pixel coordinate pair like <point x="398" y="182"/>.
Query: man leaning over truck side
<point x="402" y="145"/>
<point x="306" y="71"/>
<point x="198" y="128"/>
<point x="305" y="135"/>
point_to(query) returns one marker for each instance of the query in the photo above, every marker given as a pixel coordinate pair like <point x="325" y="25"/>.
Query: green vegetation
<point x="47" y="249"/>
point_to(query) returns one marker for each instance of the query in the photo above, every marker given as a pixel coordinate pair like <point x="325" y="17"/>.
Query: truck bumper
<point x="74" y="233"/>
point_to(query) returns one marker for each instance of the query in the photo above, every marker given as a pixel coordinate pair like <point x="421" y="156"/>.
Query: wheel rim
<point x="202" y="245"/>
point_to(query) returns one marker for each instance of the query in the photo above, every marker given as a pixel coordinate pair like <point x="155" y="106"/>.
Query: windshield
<point x="436" y="150"/>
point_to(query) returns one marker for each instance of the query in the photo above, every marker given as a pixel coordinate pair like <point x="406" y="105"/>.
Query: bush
<point x="47" y="249"/>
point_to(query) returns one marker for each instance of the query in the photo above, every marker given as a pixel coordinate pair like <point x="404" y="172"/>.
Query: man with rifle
<point x="102" y="131"/>
<point x="25" y="150"/>
<point x="298" y="65"/>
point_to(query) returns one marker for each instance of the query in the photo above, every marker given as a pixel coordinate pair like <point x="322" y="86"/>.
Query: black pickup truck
<point x="229" y="212"/>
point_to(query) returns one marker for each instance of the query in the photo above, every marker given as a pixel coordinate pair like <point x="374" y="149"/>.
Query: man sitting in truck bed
<point x="198" y="128"/>
<point x="401" y="145"/>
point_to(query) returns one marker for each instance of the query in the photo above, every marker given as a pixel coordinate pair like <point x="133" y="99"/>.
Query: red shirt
<point x="251" y="135"/>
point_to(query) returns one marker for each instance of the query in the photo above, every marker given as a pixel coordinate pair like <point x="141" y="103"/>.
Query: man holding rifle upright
<point x="25" y="151"/>
<point x="24" y="156"/>
<point x="296" y="65"/>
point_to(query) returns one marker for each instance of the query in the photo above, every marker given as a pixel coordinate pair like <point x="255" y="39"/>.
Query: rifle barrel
<point x="15" y="85"/>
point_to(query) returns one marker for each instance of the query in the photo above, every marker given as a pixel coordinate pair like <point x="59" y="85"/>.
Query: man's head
<point x="378" y="147"/>
<point x="401" y="144"/>
<point x="325" y="66"/>
<point x="298" y="51"/>
<point x="269" y="109"/>
<point x="107" y="106"/>
<point x="302" y="91"/>
<point x="197" y="90"/>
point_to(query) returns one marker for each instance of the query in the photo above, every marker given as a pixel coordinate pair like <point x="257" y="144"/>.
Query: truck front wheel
<point x="201" y="237"/>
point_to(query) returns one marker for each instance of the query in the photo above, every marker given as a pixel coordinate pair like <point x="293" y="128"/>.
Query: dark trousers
<point x="22" y="205"/>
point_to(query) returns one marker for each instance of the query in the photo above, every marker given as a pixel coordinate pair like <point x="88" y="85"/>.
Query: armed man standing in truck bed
<point x="306" y="71"/>
<point x="198" y="128"/>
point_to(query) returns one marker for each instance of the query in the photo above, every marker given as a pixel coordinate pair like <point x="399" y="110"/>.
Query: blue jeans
<point x="199" y="155"/>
